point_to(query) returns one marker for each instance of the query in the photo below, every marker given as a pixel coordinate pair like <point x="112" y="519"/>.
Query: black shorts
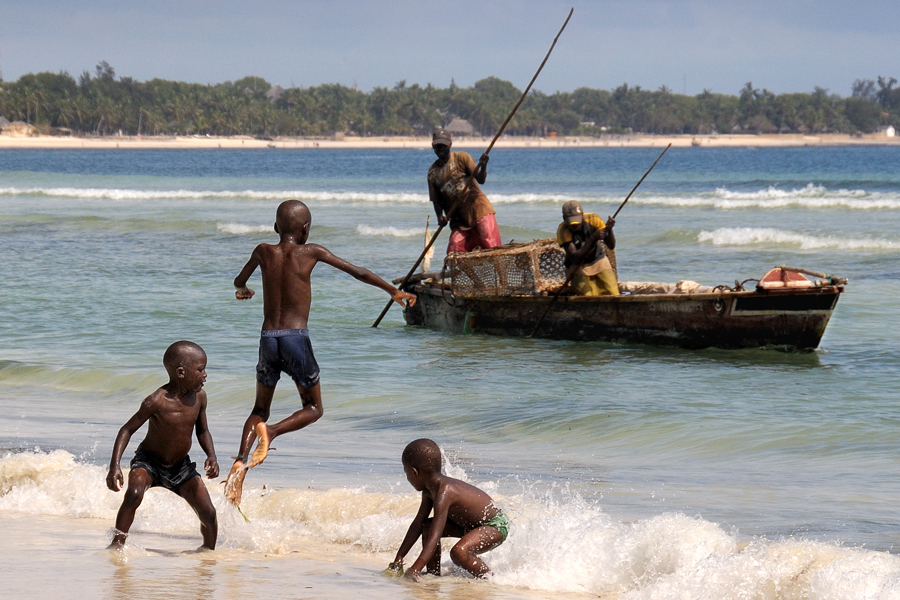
<point x="170" y="477"/>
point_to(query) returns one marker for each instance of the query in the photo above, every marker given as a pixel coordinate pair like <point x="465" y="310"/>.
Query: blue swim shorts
<point x="287" y="350"/>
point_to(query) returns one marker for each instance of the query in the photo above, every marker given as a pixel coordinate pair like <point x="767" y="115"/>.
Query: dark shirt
<point x="451" y="184"/>
<point x="579" y="236"/>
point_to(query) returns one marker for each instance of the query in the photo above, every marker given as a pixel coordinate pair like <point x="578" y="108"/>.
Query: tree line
<point x="99" y="103"/>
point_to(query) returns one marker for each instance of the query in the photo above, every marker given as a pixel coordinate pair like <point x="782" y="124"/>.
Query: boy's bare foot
<point x="262" y="446"/>
<point x="118" y="540"/>
<point x="234" y="485"/>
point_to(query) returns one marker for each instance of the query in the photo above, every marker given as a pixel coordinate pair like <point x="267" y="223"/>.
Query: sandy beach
<point x="610" y="141"/>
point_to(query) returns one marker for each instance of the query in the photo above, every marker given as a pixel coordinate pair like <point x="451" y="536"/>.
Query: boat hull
<point x="787" y="318"/>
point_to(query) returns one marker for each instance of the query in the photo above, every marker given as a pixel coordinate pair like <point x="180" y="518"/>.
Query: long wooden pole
<point x="575" y="267"/>
<point x="530" y="83"/>
<point x="512" y="113"/>
<point x="621" y="206"/>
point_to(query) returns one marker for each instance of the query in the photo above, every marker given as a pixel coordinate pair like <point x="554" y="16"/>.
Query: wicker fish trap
<point x="529" y="269"/>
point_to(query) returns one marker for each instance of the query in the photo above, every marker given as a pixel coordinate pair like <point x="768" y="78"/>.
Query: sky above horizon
<point x="689" y="46"/>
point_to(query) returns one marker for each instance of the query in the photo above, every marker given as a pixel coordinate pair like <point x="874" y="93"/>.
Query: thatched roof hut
<point x="460" y="127"/>
<point x="18" y="128"/>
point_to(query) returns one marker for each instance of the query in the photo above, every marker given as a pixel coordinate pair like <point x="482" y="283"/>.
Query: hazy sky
<point x="785" y="46"/>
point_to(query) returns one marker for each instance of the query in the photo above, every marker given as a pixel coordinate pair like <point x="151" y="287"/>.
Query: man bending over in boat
<point x="284" y="342"/>
<point x="580" y="235"/>
<point x="453" y="189"/>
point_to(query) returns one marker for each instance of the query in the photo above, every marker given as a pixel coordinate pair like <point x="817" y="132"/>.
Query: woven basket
<point x="531" y="269"/>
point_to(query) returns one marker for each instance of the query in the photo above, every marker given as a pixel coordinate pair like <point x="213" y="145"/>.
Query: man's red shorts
<point x="484" y="235"/>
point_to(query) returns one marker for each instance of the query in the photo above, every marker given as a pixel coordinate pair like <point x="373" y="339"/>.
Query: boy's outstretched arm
<point x="211" y="465"/>
<point x="362" y="274"/>
<point x="430" y="545"/>
<point x="114" y="479"/>
<point x="242" y="292"/>
<point x="412" y="534"/>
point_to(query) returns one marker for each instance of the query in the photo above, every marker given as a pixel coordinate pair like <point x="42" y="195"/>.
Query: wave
<point x="389" y="231"/>
<point x="238" y="229"/>
<point x="123" y="194"/>
<point x="120" y="194"/>
<point x="367" y="230"/>
<point x="747" y="236"/>
<point x="813" y="197"/>
<point x="558" y="541"/>
<point x="554" y="198"/>
<point x="95" y="380"/>
<point x="770" y="193"/>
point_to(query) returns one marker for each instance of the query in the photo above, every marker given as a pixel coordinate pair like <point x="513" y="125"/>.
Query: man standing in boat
<point x="453" y="189"/>
<point x="585" y="238"/>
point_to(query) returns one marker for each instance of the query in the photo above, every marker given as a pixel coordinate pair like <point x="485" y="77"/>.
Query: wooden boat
<point x="783" y="310"/>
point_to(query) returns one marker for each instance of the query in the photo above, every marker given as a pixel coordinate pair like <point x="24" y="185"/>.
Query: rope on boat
<point x="738" y="286"/>
<point x="832" y="279"/>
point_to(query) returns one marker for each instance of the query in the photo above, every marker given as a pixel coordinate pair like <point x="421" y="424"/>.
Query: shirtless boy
<point x="174" y="411"/>
<point x="460" y="511"/>
<point x="284" y="342"/>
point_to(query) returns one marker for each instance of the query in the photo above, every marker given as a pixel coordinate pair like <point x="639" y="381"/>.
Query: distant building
<point x="274" y="92"/>
<point x="888" y="131"/>
<point x="4" y="123"/>
<point x="460" y="127"/>
<point x="18" y="128"/>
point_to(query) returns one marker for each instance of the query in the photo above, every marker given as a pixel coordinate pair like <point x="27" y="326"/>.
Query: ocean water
<point x="628" y="471"/>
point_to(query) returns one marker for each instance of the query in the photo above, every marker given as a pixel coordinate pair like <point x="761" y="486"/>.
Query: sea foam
<point x="389" y="231"/>
<point x="239" y="229"/>
<point x="123" y="194"/>
<point x="366" y="230"/>
<point x="812" y="197"/>
<point x="748" y="236"/>
<point x="558" y="541"/>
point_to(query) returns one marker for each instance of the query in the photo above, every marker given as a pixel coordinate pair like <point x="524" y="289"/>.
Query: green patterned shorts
<point x="500" y="523"/>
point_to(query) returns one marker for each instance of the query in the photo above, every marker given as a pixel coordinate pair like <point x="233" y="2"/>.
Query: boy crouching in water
<point x="460" y="511"/>
<point x="174" y="411"/>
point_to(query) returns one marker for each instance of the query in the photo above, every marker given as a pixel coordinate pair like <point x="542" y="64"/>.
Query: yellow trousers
<point x="602" y="284"/>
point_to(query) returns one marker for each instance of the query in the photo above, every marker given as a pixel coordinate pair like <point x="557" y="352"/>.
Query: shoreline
<point x="423" y="142"/>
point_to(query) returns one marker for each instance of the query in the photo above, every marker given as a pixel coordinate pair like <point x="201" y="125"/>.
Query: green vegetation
<point x="102" y="104"/>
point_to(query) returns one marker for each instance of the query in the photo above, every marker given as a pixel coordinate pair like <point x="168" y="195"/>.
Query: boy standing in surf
<point x="174" y="411"/>
<point x="460" y="511"/>
<point x="284" y="342"/>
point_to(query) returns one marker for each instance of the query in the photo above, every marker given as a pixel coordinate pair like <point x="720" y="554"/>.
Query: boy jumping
<point x="284" y="343"/>
<point x="460" y="511"/>
<point x="174" y="411"/>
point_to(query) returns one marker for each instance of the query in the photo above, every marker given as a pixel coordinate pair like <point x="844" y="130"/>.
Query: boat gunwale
<point x="630" y="298"/>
